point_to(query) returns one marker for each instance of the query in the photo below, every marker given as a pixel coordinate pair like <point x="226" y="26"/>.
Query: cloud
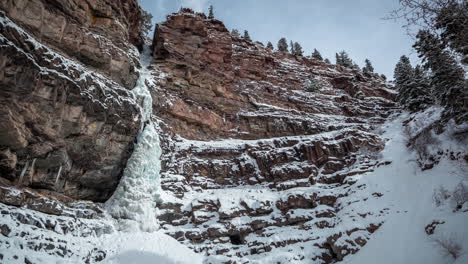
<point x="197" y="5"/>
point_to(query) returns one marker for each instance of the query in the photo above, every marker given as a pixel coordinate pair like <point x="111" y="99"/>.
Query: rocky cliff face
<point x="68" y="119"/>
<point x="255" y="163"/>
<point x="261" y="149"/>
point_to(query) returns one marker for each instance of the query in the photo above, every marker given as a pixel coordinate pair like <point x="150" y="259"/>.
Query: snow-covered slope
<point x="412" y="197"/>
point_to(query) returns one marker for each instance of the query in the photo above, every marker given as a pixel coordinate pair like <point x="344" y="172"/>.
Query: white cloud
<point x="197" y="5"/>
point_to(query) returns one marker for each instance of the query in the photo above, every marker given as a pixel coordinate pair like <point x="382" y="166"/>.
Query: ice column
<point x="134" y="202"/>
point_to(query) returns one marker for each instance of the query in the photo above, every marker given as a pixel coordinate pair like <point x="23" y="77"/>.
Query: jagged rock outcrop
<point x="68" y="119"/>
<point x="251" y="153"/>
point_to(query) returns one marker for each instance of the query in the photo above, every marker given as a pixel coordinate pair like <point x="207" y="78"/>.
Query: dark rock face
<point x="67" y="120"/>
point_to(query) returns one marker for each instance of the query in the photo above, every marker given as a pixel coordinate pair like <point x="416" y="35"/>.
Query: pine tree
<point x="297" y="49"/>
<point x="291" y="46"/>
<point x="448" y="78"/>
<point x="368" y="68"/>
<point x="403" y="75"/>
<point x="246" y="36"/>
<point x="211" y="13"/>
<point x="414" y="89"/>
<point x="447" y="19"/>
<point x="327" y="61"/>
<point x="444" y="37"/>
<point x="343" y="59"/>
<point x="235" y="33"/>
<point x="283" y="45"/>
<point x="451" y="20"/>
<point x="418" y="91"/>
<point x="316" y="54"/>
<point x="270" y="45"/>
<point x="403" y="72"/>
<point x="347" y="62"/>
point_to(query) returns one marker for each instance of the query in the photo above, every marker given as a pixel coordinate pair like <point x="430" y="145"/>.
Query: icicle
<point x="58" y="176"/>
<point x="33" y="163"/>
<point x="23" y="172"/>
<point x="31" y="171"/>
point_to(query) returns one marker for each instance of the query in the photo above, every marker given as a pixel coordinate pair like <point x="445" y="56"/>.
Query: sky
<point x="329" y="26"/>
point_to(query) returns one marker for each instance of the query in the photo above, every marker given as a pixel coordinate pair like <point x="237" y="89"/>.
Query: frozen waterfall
<point x="134" y="202"/>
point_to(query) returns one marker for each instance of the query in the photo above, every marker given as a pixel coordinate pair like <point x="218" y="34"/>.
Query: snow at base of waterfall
<point x="35" y="237"/>
<point x="150" y="248"/>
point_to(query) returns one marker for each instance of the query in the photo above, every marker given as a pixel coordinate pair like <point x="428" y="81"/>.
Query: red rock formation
<point x="221" y="87"/>
<point x="300" y="150"/>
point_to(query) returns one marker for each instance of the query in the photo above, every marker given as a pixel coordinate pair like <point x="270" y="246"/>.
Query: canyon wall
<point x="261" y="149"/>
<point x="257" y="162"/>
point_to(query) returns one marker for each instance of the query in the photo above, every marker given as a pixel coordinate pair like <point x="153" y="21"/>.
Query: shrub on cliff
<point x="449" y="246"/>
